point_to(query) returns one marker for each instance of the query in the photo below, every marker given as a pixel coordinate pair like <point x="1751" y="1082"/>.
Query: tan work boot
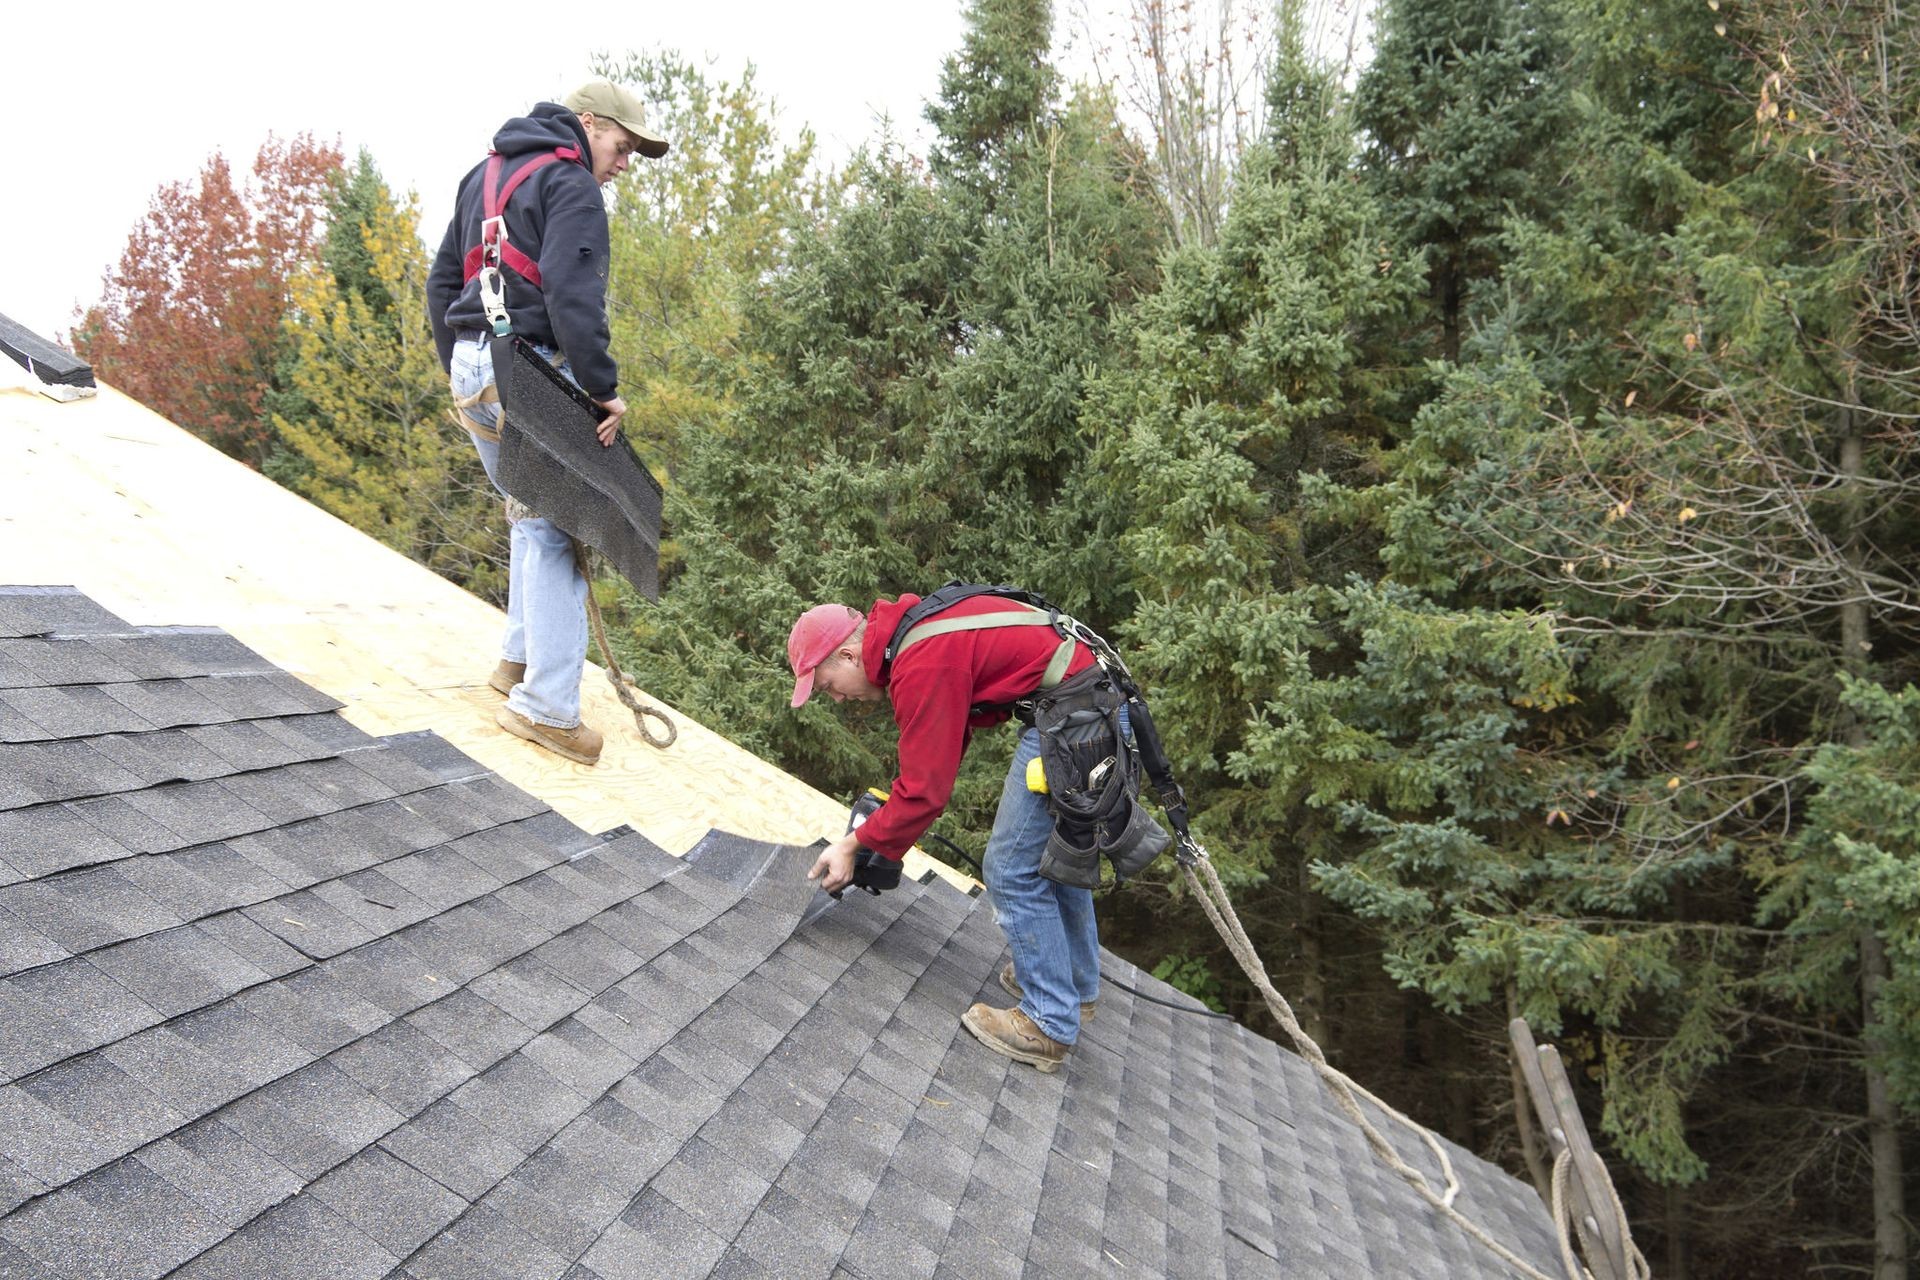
<point x="507" y="675"/>
<point x="1013" y="1033"/>
<point x="579" y="743"/>
<point x="1011" y="985"/>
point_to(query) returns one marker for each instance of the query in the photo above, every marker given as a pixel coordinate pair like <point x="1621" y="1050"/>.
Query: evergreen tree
<point x="1460" y="105"/>
<point x="910" y="404"/>
<point x="360" y="198"/>
<point x="1244" y="372"/>
<point x="995" y="89"/>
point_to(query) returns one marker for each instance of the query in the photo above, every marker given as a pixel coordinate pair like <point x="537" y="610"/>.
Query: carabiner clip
<point x="493" y="299"/>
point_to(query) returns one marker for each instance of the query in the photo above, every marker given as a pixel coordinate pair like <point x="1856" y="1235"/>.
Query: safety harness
<point x="494" y="247"/>
<point x="1065" y="716"/>
<point x="1032" y="612"/>
<point x="485" y="260"/>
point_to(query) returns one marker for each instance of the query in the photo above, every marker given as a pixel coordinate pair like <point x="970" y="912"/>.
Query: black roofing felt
<point x="281" y="1000"/>
<point x="554" y="462"/>
<point x="49" y="363"/>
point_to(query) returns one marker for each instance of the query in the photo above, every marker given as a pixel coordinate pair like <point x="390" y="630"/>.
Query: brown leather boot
<point x="579" y="744"/>
<point x="1013" y="1033"/>
<point x="1011" y="985"/>
<point x="507" y="675"/>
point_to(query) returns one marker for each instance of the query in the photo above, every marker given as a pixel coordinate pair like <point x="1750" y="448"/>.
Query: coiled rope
<point x="623" y="684"/>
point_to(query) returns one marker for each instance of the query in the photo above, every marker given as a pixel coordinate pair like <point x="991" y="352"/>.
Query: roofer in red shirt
<point x="962" y="667"/>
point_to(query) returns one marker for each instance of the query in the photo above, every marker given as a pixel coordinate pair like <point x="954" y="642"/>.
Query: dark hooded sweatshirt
<point x="557" y="219"/>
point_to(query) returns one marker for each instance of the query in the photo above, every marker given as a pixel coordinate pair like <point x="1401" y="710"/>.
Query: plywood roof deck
<point x="109" y="497"/>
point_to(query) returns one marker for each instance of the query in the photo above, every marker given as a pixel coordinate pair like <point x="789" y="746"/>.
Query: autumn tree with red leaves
<point x="189" y="322"/>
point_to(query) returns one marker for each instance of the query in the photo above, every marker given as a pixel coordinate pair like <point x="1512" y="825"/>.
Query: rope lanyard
<point x="623" y="684"/>
<point x="1205" y="882"/>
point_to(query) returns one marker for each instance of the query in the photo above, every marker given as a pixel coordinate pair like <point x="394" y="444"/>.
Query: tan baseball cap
<point x="608" y="101"/>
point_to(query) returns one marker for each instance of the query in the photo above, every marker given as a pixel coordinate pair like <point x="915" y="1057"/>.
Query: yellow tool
<point x="1036" y="776"/>
<point x="865" y="806"/>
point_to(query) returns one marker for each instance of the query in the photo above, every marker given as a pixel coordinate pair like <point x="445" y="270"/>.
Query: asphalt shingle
<point x="41" y="611"/>
<point x="298" y="1239"/>
<point x="393" y="1203"/>
<point x="449" y="1144"/>
<point x="88" y="1008"/>
<point x="124" y="1221"/>
<point x="68" y="711"/>
<point x="65" y="660"/>
<point x="278" y="999"/>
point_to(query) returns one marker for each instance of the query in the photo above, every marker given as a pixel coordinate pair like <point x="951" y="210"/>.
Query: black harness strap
<point x="945" y="598"/>
<point x="1153" y="753"/>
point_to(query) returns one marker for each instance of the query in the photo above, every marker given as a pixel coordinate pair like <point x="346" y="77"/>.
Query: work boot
<point x="1013" y="1033"/>
<point x="507" y="675"/>
<point x="579" y="743"/>
<point x="1011" y="985"/>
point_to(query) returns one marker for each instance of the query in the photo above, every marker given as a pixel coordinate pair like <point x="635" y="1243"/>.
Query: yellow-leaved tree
<point x="363" y="429"/>
<point x="688" y="231"/>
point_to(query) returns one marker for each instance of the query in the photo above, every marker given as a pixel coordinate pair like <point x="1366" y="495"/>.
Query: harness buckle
<point x="493" y="234"/>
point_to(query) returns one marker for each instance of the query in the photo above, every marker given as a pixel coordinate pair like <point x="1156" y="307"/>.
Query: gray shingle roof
<point x="278" y="999"/>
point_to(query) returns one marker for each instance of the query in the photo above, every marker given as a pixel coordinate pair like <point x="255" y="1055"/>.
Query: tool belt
<point x="1092" y="766"/>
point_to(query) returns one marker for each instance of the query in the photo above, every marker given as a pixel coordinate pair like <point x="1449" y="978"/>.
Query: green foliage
<point x="363" y="429"/>
<point x="1458" y="104"/>
<point x="360" y="200"/>
<point x="1855" y="866"/>
<point x="997" y="87"/>
<point x="1192" y="975"/>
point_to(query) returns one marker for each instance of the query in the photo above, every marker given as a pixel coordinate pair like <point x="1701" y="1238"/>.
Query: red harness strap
<point x="493" y="203"/>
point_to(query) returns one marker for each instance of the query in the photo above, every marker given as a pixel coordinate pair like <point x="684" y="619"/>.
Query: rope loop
<point x="641" y="711"/>
<point x="623" y="684"/>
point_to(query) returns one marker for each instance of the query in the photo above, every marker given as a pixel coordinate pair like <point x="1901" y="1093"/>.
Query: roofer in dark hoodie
<point x="555" y="281"/>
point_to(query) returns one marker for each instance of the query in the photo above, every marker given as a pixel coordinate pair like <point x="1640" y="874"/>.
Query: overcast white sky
<point x="105" y="102"/>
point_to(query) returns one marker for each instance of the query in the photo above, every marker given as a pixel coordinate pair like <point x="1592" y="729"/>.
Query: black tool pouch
<point x="1093" y="781"/>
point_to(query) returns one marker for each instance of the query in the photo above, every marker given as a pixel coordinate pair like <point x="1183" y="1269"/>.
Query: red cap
<point x="816" y="635"/>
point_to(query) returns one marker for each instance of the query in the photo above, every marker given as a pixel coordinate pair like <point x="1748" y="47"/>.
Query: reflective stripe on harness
<point x="493" y="223"/>
<point x="1022" y="615"/>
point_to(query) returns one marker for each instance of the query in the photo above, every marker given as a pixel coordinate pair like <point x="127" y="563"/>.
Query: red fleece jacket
<point x="934" y="687"/>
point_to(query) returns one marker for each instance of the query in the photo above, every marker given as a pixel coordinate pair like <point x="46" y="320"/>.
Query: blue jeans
<point x="1050" y="926"/>
<point x="546" y="595"/>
